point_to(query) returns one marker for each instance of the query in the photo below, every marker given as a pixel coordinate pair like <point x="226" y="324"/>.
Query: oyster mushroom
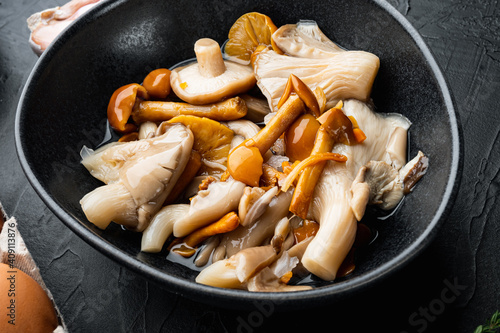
<point x="341" y="74"/>
<point x="139" y="176"/>
<point x="254" y="203"/>
<point x="210" y="79"/>
<point x="305" y="40"/>
<point x="236" y="270"/>
<point x="210" y="205"/>
<point x="257" y="268"/>
<point x="331" y="204"/>
<point x="243" y="129"/>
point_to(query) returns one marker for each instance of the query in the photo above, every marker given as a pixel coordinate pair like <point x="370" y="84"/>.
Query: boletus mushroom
<point x="211" y="78"/>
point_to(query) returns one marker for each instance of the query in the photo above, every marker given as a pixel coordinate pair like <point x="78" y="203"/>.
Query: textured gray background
<point x="96" y="295"/>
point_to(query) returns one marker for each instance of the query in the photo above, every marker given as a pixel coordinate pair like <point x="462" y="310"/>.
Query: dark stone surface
<point x="452" y="287"/>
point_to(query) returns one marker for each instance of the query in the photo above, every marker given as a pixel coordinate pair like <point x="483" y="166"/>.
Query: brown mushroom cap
<point x="210" y="79"/>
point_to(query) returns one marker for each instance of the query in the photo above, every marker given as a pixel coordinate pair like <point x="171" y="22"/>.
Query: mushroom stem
<point x="227" y="223"/>
<point x="209" y="57"/>
<point x="336" y="128"/>
<point x="245" y="161"/>
<point x="157" y="111"/>
<point x="285" y="116"/>
<point x="121" y="105"/>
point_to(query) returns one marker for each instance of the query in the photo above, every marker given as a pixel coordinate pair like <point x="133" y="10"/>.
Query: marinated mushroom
<point x="243" y="129"/>
<point x="230" y="109"/>
<point x="341" y="74"/>
<point x="139" y="176"/>
<point x="212" y="140"/>
<point x="157" y="83"/>
<point x="210" y="205"/>
<point x="264" y="204"/>
<point x="257" y="231"/>
<point x="254" y="203"/>
<point x="245" y="161"/>
<point x="331" y="203"/>
<point x="161" y="227"/>
<point x="147" y="130"/>
<point x="305" y="40"/>
<point x="211" y="78"/>
<point x="257" y="108"/>
<point x="121" y="104"/>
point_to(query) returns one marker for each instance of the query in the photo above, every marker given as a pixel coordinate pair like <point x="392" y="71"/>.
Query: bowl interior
<point x="63" y="108"/>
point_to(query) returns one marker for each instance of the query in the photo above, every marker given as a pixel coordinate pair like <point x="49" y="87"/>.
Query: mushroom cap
<point x="189" y="85"/>
<point x="211" y="139"/>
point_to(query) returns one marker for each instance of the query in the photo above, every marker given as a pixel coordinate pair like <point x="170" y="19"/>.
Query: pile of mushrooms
<point x="256" y="207"/>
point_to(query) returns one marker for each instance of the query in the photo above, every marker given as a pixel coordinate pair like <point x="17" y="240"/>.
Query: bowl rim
<point x="241" y="298"/>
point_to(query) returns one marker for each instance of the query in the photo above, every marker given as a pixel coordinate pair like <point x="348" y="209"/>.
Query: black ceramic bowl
<point x="63" y="107"/>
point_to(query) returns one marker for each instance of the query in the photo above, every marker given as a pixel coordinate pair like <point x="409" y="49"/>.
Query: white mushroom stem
<point x="161" y="227"/>
<point x="209" y="57"/>
<point x="210" y="205"/>
<point x="337" y="230"/>
<point x="333" y="204"/>
<point x="147" y="130"/>
<point x="396" y="148"/>
<point x="110" y="203"/>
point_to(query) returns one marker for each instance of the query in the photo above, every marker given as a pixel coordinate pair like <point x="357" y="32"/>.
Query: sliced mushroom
<point x="210" y="79"/>
<point x="210" y="205"/>
<point x="148" y="171"/>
